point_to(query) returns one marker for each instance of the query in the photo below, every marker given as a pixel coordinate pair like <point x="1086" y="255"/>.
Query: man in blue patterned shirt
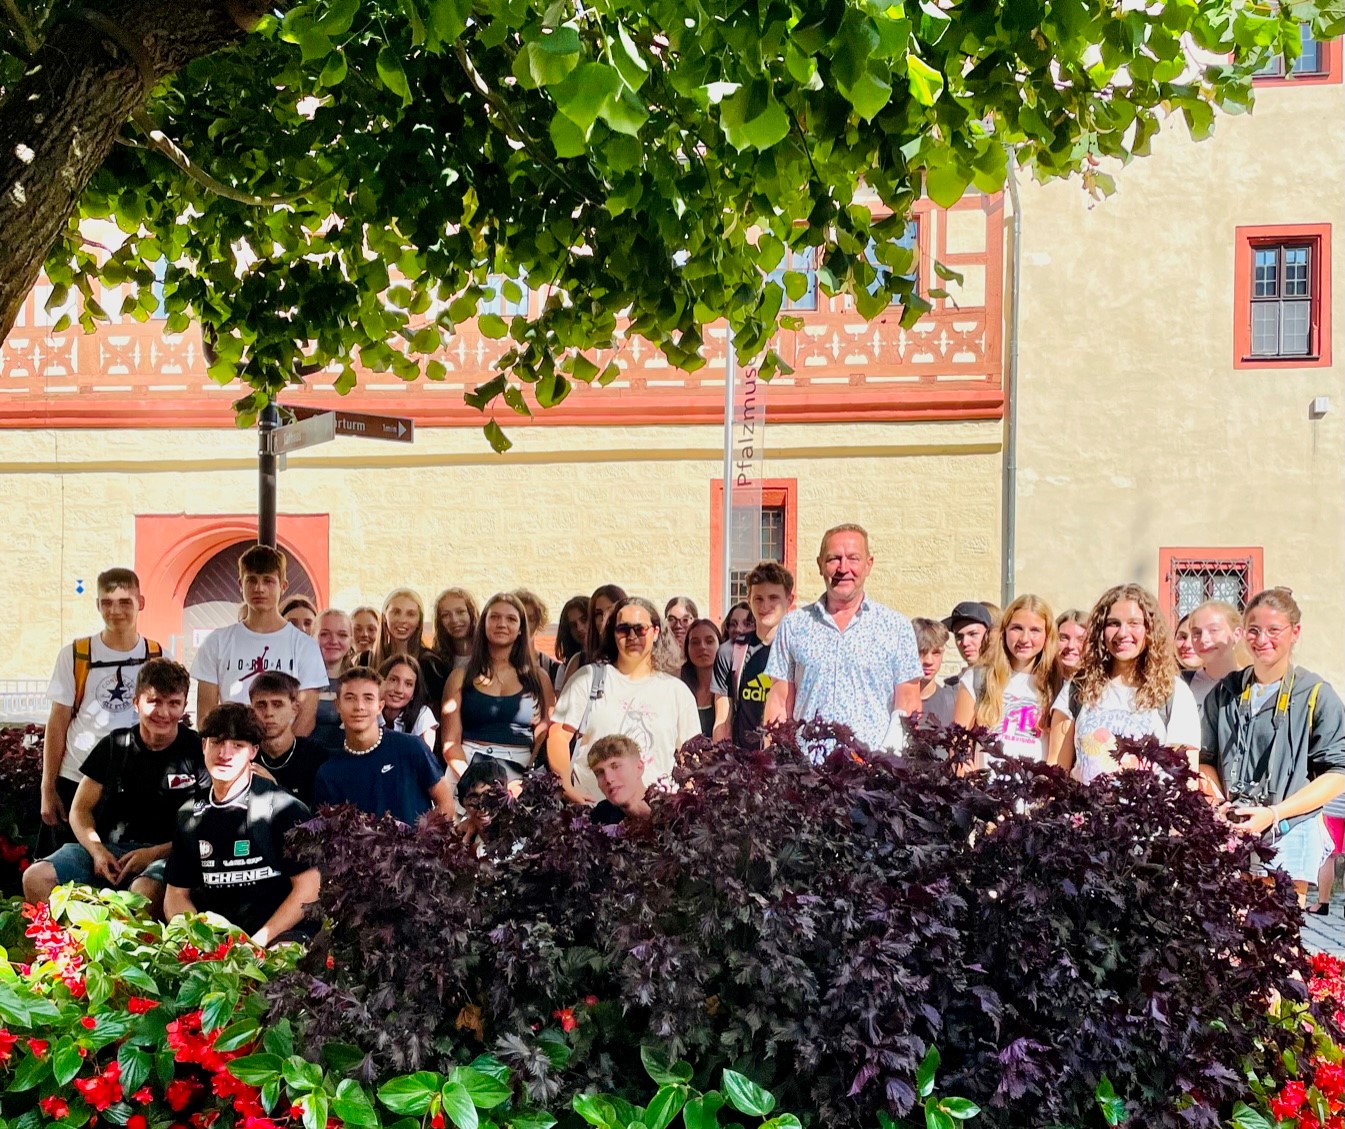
<point x="846" y="657"/>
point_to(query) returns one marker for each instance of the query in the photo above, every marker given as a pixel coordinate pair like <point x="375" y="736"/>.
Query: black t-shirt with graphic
<point x="143" y="788"/>
<point x="232" y="857"/>
<point x="296" y="770"/>
<point x="748" y="692"/>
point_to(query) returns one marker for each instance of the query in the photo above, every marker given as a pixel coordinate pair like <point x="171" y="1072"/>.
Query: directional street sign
<point x="363" y="426"/>
<point x="320" y="428"/>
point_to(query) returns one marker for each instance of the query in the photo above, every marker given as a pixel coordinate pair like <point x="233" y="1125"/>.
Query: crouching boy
<point x="229" y="854"/>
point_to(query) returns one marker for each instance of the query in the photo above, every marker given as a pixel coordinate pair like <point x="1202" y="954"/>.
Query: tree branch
<point x="162" y="143"/>
<point x="30" y="39"/>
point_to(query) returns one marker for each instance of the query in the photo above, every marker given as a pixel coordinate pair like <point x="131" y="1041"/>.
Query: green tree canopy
<point x="346" y="180"/>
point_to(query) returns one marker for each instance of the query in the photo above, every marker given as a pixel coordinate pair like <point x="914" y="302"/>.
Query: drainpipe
<point x="1009" y="501"/>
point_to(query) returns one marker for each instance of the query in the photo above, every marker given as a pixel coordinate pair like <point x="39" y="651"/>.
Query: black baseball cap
<point x="968" y="611"/>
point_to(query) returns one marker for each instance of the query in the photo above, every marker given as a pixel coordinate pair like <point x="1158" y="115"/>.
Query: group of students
<point x="1266" y="736"/>
<point x="399" y="713"/>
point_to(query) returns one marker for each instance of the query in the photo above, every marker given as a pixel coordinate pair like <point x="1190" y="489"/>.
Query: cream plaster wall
<point x="1135" y="431"/>
<point x="565" y="510"/>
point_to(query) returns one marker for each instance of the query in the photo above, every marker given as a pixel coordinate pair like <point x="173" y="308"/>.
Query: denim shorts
<point x="74" y="864"/>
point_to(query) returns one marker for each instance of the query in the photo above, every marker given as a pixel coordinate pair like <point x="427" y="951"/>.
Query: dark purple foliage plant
<point x="820" y="927"/>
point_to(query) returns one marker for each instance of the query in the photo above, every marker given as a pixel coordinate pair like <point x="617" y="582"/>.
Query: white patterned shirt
<point x="849" y="677"/>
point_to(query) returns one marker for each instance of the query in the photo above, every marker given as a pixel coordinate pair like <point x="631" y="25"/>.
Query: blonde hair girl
<point x="1012" y="685"/>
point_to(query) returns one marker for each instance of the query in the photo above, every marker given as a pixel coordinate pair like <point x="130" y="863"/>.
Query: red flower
<point x="138" y="1005"/>
<point x="331" y="961"/>
<point x="1289" y="1100"/>
<point x="188" y="953"/>
<point x="437" y="1121"/>
<point x="143" y="1096"/>
<point x="1308" y="1120"/>
<point x="88" y="1023"/>
<point x="567" y="1019"/>
<point x="205" y="1119"/>
<point x="590" y="1001"/>
<point x="7" y="1042"/>
<point x="297" y="1112"/>
<point x="137" y="1121"/>
<point x="54" y="1107"/>
<point x="1330" y="1079"/>
<point x="76" y="986"/>
<point x="39" y="1047"/>
<point x="98" y="1092"/>
<point x="180" y="1093"/>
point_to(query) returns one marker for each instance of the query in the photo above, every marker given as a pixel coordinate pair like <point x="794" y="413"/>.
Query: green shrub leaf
<point x="746" y="1096"/>
<point x="412" y="1093"/>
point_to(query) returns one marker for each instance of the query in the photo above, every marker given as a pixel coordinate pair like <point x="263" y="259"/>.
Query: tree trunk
<point x="60" y="121"/>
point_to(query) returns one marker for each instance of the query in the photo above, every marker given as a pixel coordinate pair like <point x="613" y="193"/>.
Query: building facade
<point x="1157" y="438"/>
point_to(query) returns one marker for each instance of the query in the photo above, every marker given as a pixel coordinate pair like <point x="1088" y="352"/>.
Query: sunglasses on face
<point x="636" y="631"/>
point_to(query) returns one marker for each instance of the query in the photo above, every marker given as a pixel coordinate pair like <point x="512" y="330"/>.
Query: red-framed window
<point x="1190" y="576"/>
<point x="1282" y="296"/>
<point x="1318" y="63"/>
<point x="779" y="536"/>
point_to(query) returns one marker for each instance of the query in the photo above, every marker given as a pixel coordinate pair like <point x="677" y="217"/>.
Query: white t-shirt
<point x="1201" y="684"/>
<point x="658" y="713"/>
<point x="1020" y="726"/>
<point x="108" y="702"/>
<point x="232" y="656"/>
<point x="1115" y="715"/>
<point x="424" y="726"/>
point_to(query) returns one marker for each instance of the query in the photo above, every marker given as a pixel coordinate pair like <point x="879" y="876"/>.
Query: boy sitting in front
<point x="615" y="761"/>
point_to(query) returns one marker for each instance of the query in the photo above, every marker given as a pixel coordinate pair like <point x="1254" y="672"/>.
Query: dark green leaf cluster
<point x="819" y="918"/>
<point x="642" y="167"/>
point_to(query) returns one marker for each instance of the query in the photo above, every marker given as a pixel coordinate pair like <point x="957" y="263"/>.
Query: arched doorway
<point x="212" y="598"/>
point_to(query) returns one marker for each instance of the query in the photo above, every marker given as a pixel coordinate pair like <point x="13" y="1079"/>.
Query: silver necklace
<point x="364" y="752"/>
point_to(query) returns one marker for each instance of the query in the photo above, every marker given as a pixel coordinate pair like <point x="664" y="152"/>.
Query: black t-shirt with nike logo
<point x="748" y="692"/>
<point x="144" y="788"/>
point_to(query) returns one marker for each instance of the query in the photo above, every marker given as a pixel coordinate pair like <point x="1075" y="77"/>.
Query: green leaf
<point x="279" y="1038"/>
<point x="13" y="1009"/>
<point x="237" y="1035"/>
<point x="552" y="57"/>
<point x="948" y="274"/>
<point x="256" y="1070"/>
<point x="627" y="58"/>
<point x="1244" y="1117"/>
<point x="550" y="391"/>
<point x="960" y="1109"/>
<point x="300" y="1074"/>
<point x="339" y="16"/>
<point x="595" y="1110"/>
<point x="703" y="1112"/>
<point x="746" y="1096"/>
<point x="925" y="1072"/>
<point x="352" y="1106"/>
<point x="334" y="69"/>
<point x="531" y="1119"/>
<point x="411" y="1094"/>
<point x="925" y="83"/>
<point x="567" y="138"/>
<point x="492" y="326"/>
<point x="750" y="121"/>
<point x="656" y="1062"/>
<point x="315" y="1107"/>
<point x="458" y="1105"/>
<point x="447" y="21"/>
<point x="341" y="1058"/>
<point x="495" y="436"/>
<point x="390" y="72"/>
<point x="869" y="95"/>
<point x="32" y="1071"/>
<point x="486" y="1090"/>
<point x="582" y="96"/>
<point x="1113" y="1108"/>
<point x="216" y="1009"/>
<point x="65" y="1060"/>
<point x="135" y="1065"/>
<point x="945" y="185"/>
<point x="935" y="1118"/>
<point x="665" y="1105"/>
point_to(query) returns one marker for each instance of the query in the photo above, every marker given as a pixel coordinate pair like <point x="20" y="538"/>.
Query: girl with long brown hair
<point x="1014" y="682"/>
<point x="1129" y="684"/>
<point x="499" y="704"/>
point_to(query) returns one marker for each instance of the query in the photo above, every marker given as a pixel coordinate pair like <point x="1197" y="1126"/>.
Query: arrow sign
<point x="307" y="432"/>
<point x="360" y="425"/>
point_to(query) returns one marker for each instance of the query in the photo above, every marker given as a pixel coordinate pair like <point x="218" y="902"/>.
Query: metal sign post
<point x="307" y="428"/>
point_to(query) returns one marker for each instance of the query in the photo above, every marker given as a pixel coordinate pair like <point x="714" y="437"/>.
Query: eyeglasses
<point x="1271" y="633"/>
<point x="635" y="630"/>
<point x="681" y="620"/>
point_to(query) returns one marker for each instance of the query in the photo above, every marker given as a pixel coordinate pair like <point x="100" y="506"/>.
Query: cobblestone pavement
<point x="1327" y="932"/>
